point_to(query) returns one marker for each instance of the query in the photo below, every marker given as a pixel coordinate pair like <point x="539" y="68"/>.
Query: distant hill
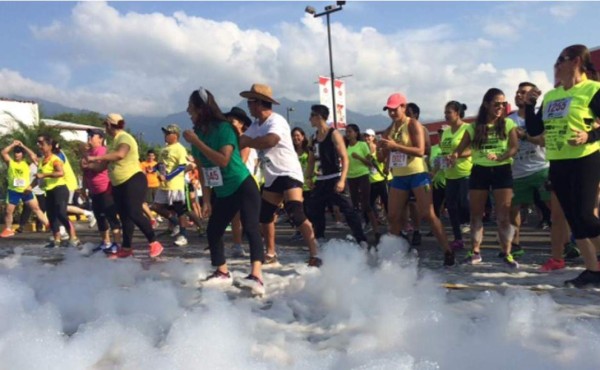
<point x="148" y="127"/>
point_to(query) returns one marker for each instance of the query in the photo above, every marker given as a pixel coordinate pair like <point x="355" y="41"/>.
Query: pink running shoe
<point x="553" y="264"/>
<point x="155" y="249"/>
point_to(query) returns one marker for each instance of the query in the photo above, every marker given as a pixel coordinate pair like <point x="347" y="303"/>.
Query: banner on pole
<point x="340" y="100"/>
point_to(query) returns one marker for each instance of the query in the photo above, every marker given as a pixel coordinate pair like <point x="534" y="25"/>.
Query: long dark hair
<point x="211" y="114"/>
<point x="481" y="129"/>
<point x="304" y="141"/>
<point x="587" y="66"/>
<point x="355" y="128"/>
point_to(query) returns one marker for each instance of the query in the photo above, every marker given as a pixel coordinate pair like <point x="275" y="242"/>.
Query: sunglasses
<point x="40" y="142"/>
<point x="561" y="59"/>
<point x="499" y="104"/>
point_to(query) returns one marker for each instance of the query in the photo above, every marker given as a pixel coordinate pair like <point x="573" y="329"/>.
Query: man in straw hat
<point x="270" y="135"/>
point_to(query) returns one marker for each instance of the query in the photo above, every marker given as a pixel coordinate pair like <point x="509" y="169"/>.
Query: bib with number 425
<point x="212" y="177"/>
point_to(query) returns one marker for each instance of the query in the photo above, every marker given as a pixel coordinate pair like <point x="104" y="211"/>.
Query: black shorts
<point x="486" y="178"/>
<point x="283" y="184"/>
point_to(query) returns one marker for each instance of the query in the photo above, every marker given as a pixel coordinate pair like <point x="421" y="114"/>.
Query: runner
<point x="270" y="135"/>
<point x="129" y="186"/>
<point x="19" y="188"/>
<point x="149" y="168"/>
<point x="215" y="148"/>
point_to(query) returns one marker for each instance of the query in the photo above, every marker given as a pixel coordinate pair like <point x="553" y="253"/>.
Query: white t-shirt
<point x="280" y="160"/>
<point x="530" y="158"/>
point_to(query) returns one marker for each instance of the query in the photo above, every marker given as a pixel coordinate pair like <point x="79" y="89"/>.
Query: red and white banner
<point x="340" y="99"/>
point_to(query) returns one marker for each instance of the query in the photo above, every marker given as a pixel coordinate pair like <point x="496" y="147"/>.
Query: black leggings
<point x="246" y="200"/>
<point x="56" y="208"/>
<point x="575" y="183"/>
<point x="457" y="203"/>
<point x="438" y="195"/>
<point x="379" y="189"/>
<point x="360" y="193"/>
<point x="105" y="211"/>
<point x="129" y="197"/>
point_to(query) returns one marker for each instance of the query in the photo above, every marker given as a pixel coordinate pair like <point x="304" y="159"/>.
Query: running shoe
<point x="510" y="261"/>
<point x="237" y="251"/>
<point x="92" y="220"/>
<point x="270" y="260"/>
<point x="553" y="264"/>
<point x="175" y="231"/>
<point x="121" y="253"/>
<point x="181" y="241"/>
<point x="457" y="245"/>
<point x="254" y="284"/>
<point x="155" y="249"/>
<point x="52" y="244"/>
<point x="585" y="279"/>
<point x="449" y="259"/>
<point x="465" y="228"/>
<point x="7" y="233"/>
<point x="315" y="262"/>
<point x="112" y="249"/>
<point x="472" y="258"/>
<point x="571" y="251"/>
<point x="218" y="279"/>
<point x="100" y="247"/>
<point x="516" y="250"/>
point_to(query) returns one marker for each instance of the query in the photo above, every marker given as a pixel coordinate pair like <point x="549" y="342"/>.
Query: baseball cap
<point x="113" y="119"/>
<point x="394" y="101"/>
<point x="370" y="132"/>
<point x="95" y="131"/>
<point x="171" y="129"/>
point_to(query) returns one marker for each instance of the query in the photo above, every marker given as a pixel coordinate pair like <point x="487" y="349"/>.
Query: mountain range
<point x="148" y="127"/>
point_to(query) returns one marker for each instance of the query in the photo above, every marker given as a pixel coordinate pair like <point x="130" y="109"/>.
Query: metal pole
<point x="334" y="106"/>
<point x="287" y="114"/>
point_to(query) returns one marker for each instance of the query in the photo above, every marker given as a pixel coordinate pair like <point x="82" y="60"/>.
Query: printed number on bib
<point x="19" y="183"/>
<point x="398" y="159"/>
<point x="212" y="176"/>
<point x="557" y="109"/>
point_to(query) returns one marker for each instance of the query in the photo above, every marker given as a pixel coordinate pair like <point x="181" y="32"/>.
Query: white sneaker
<point x="237" y="251"/>
<point x="181" y="241"/>
<point x="92" y="220"/>
<point x="175" y="231"/>
<point x="217" y="279"/>
<point x="465" y="228"/>
<point x="64" y="235"/>
<point x="253" y="284"/>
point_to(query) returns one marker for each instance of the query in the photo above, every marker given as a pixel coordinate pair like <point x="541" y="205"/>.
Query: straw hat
<point x="260" y="92"/>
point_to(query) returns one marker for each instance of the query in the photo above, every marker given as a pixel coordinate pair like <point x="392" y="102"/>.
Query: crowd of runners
<point x="244" y="173"/>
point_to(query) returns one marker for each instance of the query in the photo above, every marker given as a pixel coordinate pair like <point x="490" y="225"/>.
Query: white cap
<point x="370" y="132"/>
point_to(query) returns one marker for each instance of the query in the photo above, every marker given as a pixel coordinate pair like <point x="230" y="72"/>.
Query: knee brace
<point x="295" y="212"/>
<point x="267" y="212"/>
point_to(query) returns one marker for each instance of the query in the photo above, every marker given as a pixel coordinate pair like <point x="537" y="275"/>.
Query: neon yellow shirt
<point x="493" y="145"/>
<point x="18" y="176"/>
<point x="47" y="167"/>
<point x="356" y="168"/>
<point x="413" y="165"/>
<point x="122" y="170"/>
<point x="173" y="156"/>
<point x="448" y="143"/>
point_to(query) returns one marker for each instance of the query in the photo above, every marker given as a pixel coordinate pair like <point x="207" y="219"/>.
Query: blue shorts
<point x="14" y="197"/>
<point x="410" y="182"/>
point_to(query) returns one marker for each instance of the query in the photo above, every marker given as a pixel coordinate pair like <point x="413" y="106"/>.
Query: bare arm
<point x="261" y="142"/>
<point x="5" y="156"/>
<point x="221" y="157"/>
<point x="340" y="146"/>
<point x="513" y="146"/>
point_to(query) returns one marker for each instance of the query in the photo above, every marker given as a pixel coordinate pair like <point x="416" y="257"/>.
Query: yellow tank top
<point x="47" y="167"/>
<point x="18" y="176"/>
<point x="124" y="169"/>
<point x="70" y="177"/>
<point x="402" y="164"/>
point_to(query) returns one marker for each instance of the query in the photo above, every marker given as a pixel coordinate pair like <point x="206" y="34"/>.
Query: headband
<point x="203" y="94"/>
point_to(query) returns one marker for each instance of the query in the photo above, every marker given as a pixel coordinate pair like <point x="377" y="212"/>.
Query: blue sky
<point x="146" y="57"/>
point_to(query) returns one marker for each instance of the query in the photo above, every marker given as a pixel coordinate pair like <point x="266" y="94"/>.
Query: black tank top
<point x="327" y="161"/>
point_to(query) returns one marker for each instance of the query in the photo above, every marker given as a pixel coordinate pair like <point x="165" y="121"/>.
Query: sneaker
<point x="586" y="278"/>
<point x="270" y="260"/>
<point x="121" y="253"/>
<point x="314" y="262"/>
<point x="571" y="251"/>
<point x="70" y="243"/>
<point x="217" y="279"/>
<point x="7" y="233"/>
<point x="100" y="247"/>
<point x="155" y="249"/>
<point x="552" y="264"/>
<point x="416" y="238"/>
<point x="252" y="283"/>
<point x="112" y="249"/>
<point x="516" y="250"/>
<point x="237" y="251"/>
<point x="181" y="241"/>
<point x="64" y="235"/>
<point x="52" y="244"/>
<point x="510" y="261"/>
<point x="154" y="224"/>
<point x="92" y="220"/>
<point x="449" y="259"/>
<point x="473" y="258"/>
<point x="465" y="228"/>
<point x="175" y="231"/>
<point x="457" y="245"/>
<point x="296" y="237"/>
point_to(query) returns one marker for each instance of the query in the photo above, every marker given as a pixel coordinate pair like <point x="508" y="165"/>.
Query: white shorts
<point x="169" y="197"/>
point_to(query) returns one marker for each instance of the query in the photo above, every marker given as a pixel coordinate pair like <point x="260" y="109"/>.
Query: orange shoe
<point x="121" y="253"/>
<point x="155" y="249"/>
<point x="7" y="233"/>
<point x="552" y="264"/>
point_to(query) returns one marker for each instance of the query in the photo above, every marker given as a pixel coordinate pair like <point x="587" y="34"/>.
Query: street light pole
<point x="328" y="10"/>
<point x="287" y="113"/>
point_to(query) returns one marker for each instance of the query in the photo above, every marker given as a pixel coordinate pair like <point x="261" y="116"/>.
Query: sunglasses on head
<point x="561" y="59"/>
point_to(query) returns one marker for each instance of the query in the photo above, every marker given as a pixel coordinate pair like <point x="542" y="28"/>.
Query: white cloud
<point x="149" y="63"/>
<point x="563" y="12"/>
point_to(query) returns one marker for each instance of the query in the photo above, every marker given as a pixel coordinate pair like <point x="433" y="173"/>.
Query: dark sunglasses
<point x="561" y="59"/>
<point x="499" y="104"/>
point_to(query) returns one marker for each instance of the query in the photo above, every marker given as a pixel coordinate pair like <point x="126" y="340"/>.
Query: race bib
<point x="398" y="159"/>
<point x="19" y="183"/>
<point x="212" y="177"/>
<point x="557" y="109"/>
<point x="441" y="163"/>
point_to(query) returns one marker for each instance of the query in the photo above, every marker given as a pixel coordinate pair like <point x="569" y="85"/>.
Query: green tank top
<point x="567" y="110"/>
<point x="448" y="143"/>
<point x="493" y="145"/>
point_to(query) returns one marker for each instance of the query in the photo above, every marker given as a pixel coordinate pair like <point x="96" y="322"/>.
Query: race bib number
<point x="557" y="109"/>
<point x="19" y="183"/>
<point x="441" y="163"/>
<point x="212" y="177"/>
<point x="398" y="159"/>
